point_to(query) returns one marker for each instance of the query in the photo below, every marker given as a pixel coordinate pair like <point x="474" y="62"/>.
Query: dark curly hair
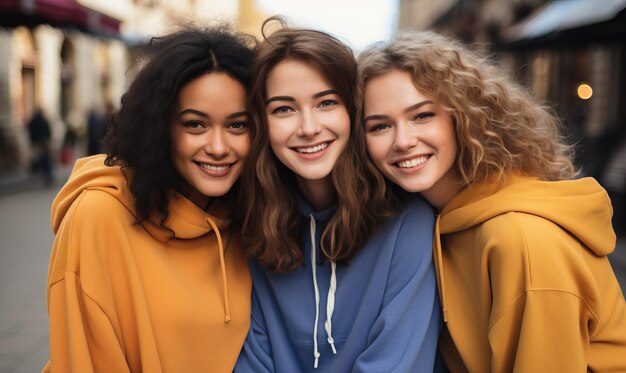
<point x="138" y="134"/>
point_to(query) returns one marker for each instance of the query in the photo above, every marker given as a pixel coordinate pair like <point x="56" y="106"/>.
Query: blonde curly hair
<point x="499" y="127"/>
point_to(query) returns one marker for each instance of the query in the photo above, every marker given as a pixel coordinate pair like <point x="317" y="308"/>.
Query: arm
<point x="404" y="336"/>
<point x="82" y="338"/>
<point x="256" y="355"/>
<point x="544" y="297"/>
<point x="544" y="331"/>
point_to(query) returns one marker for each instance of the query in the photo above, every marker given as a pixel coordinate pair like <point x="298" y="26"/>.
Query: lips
<point x="312" y="149"/>
<point x="413" y="162"/>
<point x="215" y="169"/>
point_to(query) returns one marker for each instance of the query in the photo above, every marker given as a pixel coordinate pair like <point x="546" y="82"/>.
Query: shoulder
<point x="93" y="216"/>
<point x="524" y="231"/>
<point x="409" y="233"/>
<point x="98" y="206"/>
<point x="89" y="228"/>
<point x="548" y="256"/>
<point x="417" y="215"/>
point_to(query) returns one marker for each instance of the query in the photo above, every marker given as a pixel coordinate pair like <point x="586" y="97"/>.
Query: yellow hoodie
<point x="524" y="280"/>
<point x="127" y="297"/>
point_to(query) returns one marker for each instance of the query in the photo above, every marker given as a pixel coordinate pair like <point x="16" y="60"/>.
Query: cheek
<point x="177" y="145"/>
<point x="340" y="121"/>
<point x="376" y="148"/>
<point x="242" y="144"/>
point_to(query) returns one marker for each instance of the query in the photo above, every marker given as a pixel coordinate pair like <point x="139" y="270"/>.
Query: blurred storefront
<point x="73" y="58"/>
<point x="61" y="57"/>
<point x="570" y="53"/>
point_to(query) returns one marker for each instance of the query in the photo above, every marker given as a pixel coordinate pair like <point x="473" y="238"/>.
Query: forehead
<point x="212" y="91"/>
<point x="392" y="89"/>
<point x="295" y="75"/>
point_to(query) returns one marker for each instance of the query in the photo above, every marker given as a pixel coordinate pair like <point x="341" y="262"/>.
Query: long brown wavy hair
<point x="500" y="128"/>
<point x="271" y="219"/>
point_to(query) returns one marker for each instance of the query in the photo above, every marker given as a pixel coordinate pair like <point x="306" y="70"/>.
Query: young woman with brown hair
<point x="520" y="245"/>
<point x="343" y="279"/>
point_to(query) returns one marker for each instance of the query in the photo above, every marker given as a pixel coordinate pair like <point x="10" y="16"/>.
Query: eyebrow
<point x="408" y="109"/>
<point x="193" y="111"/>
<point x="205" y="115"/>
<point x="291" y="99"/>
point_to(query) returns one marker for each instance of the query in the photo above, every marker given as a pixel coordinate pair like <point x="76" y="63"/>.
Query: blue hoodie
<point x="386" y="313"/>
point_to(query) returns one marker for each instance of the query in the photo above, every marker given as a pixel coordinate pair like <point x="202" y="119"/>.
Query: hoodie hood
<point x="581" y="207"/>
<point x="185" y="220"/>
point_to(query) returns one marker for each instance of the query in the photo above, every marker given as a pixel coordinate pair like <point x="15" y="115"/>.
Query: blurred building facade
<point x="569" y="53"/>
<point x="73" y="57"/>
<point x="60" y="56"/>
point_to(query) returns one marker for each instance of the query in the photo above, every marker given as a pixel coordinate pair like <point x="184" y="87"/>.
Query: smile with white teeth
<point x="214" y="167"/>
<point x="313" y="149"/>
<point x="412" y="162"/>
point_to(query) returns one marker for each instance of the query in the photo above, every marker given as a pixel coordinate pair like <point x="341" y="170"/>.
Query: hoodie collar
<point x="307" y="210"/>
<point x="186" y="220"/>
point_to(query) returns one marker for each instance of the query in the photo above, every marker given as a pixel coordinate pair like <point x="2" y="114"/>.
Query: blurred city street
<point x="25" y="242"/>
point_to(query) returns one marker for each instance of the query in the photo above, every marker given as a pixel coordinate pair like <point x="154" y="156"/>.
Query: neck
<point x="444" y="190"/>
<point x="194" y="196"/>
<point x="319" y="193"/>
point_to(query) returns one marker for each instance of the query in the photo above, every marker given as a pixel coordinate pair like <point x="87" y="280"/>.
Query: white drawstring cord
<point x="330" y="306"/>
<point x="316" y="353"/>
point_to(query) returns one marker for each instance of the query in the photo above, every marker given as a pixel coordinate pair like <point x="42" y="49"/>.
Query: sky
<point x="355" y="22"/>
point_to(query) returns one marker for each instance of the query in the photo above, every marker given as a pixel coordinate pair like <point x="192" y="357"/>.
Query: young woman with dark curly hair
<point x="520" y="245"/>
<point x="147" y="273"/>
<point x="339" y="284"/>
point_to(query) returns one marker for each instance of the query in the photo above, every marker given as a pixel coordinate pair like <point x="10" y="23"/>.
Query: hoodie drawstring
<point x="316" y="354"/>
<point x="223" y="268"/>
<point x="439" y="269"/>
<point x="330" y="304"/>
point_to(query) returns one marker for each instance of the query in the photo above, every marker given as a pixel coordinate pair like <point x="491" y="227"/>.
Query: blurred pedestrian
<point x="147" y="273"/>
<point x="96" y="129"/>
<point x="521" y="245"/>
<point x="40" y="133"/>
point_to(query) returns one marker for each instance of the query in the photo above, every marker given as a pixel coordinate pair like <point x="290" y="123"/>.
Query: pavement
<point x="25" y="242"/>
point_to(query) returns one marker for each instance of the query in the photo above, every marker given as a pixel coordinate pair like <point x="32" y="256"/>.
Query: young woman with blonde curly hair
<point x="342" y="281"/>
<point x="520" y="245"/>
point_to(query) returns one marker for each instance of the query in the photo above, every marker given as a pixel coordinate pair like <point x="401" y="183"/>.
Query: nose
<point x="216" y="144"/>
<point x="406" y="137"/>
<point x="309" y="124"/>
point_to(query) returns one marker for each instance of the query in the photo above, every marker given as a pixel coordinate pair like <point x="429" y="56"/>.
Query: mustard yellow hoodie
<point x="524" y="280"/>
<point x="127" y="297"/>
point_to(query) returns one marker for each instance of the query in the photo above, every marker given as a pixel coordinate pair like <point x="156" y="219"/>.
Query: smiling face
<point x="309" y="125"/>
<point x="410" y="137"/>
<point x="209" y="135"/>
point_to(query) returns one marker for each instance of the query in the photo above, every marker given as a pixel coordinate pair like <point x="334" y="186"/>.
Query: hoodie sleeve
<point x="404" y="336"/>
<point x="82" y="337"/>
<point x="256" y="355"/>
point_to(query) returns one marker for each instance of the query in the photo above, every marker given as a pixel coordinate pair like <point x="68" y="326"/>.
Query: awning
<point x="561" y="18"/>
<point x="58" y="13"/>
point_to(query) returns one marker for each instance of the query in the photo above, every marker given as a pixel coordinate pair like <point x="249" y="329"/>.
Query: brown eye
<point x="194" y="124"/>
<point x="379" y="127"/>
<point x="238" y="125"/>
